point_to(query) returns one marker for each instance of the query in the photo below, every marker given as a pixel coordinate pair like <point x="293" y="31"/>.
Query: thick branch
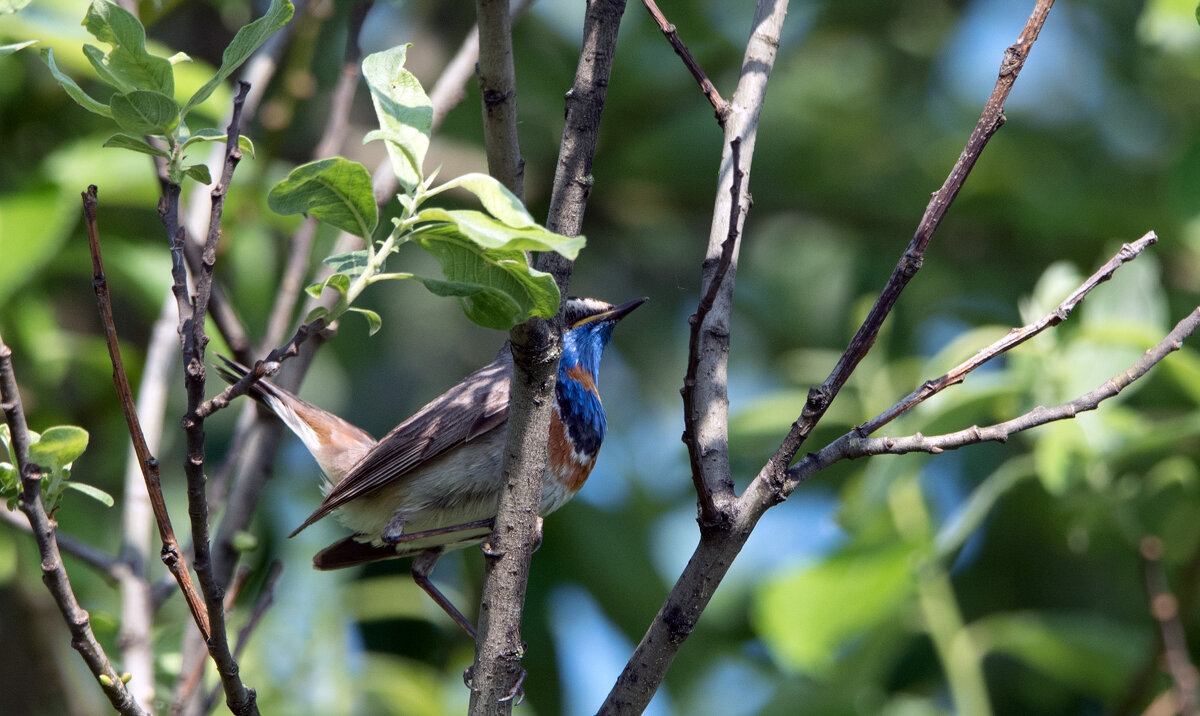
<point x="498" y="87"/>
<point x="54" y="574"/>
<point x="648" y="665"/>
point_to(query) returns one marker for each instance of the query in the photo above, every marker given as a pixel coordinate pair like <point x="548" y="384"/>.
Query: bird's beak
<point x="613" y="314"/>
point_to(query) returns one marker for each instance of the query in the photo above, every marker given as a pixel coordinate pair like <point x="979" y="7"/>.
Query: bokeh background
<point x="886" y="586"/>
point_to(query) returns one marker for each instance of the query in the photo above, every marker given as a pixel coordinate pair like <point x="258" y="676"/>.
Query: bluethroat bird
<point x="432" y="484"/>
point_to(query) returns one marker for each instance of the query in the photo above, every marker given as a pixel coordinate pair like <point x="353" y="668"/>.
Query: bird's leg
<point x="394" y="529"/>
<point x="437" y="531"/>
<point x="422" y="566"/>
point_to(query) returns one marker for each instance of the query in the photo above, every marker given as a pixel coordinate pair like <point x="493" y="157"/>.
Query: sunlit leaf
<point x="83" y="99"/>
<point x="495" y="197"/>
<point x="336" y="190"/>
<point x="59" y="446"/>
<point x="9" y="49"/>
<point x="244" y="43"/>
<point x="490" y="233"/>
<point x="93" y="492"/>
<point x="134" y="143"/>
<point x="145" y="112"/>
<point x="214" y="135"/>
<point x="498" y="289"/>
<point x="404" y="111"/>
<point x="129" y="65"/>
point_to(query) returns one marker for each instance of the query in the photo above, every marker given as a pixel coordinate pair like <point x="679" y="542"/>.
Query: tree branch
<point x="1165" y="608"/>
<point x="1012" y="339"/>
<point x="54" y="574"/>
<point x="992" y="118"/>
<point x="721" y="540"/>
<point x="170" y="553"/>
<point x="498" y="87"/>
<point x="720" y="106"/>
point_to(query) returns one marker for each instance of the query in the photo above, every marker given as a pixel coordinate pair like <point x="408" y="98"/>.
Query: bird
<point x="433" y="483"/>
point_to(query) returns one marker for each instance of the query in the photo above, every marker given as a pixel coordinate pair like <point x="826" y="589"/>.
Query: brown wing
<point x="478" y="404"/>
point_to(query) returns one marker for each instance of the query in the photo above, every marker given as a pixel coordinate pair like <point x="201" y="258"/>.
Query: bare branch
<point x="54" y="574"/>
<point x="498" y="86"/>
<point x="720" y="106"/>
<point x="171" y="555"/>
<point x="819" y="398"/>
<point x="1165" y="608"/>
<point x="691" y="410"/>
<point x="853" y="447"/>
<point x="720" y="542"/>
<point x="1012" y="339"/>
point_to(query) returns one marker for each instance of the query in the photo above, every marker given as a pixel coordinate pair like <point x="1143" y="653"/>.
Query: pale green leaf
<point x="489" y="233"/>
<point x="93" y="492"/>
<point x="404" y="111"/>
<point x="145" y="112"/>
<point x="9" y="49"/>
<point x="129" y="65"/>
<point x="351" y="263"/>
<point x="199" y="172"/>
<point x="83" y="99"/>
<point x="336" y="191"/>
<point x="498" y="289"/>
<point x="134" y="143"/>
<point x="215" y="135"/>
<point x="495" y="197"/>
<point x="244" y="43"/>
<point x="59" y="446"/>
<point x="374" y="322"/>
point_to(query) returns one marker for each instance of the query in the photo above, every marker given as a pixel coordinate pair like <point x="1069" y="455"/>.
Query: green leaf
<point x="59" y="446"/>
<point x="404" y="111"/>
<point x="336" y="191"/>
<point x="499" y="289"/>
<point x="96" y="56"/>
<point x="495" y="197"/>
<point x="338" y="282"/>
<point x="490" y="233"/>
<point x="134" y="143"/>
<point x="93" y="492"/>
<point x="9" y="49"/>
<point x="808" y="617"/>
<point x="145" y="112"/>
<point x="244" y="43"/>
<point x="83" y="99"/>
<point x="318" y="312"/>
<point x="199" y="172"/>
<point x="374" y="322"/>
<point x="215" y="135"/>
<point x="351" y="263"/>
<point x="1086" y="652"/>
<point x="129" y="65"/>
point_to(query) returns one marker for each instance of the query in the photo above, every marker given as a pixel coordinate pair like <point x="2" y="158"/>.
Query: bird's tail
<point x="335" y="443"/>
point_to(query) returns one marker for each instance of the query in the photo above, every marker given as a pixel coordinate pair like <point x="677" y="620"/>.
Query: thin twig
<point x="105" y="564"/>
<point x="170" y="553"/>
<point x="265" y="600"/>
<point x="54" y="574"/>
<point x="1012" y="339"/>
<point x="1165" y="608"/>
<point x="720" y="106"/>
<point x="709" y="515"/>
<point x="851" y="446"/>
<point x="992" y="118"/>
<point x="241" y="700"/>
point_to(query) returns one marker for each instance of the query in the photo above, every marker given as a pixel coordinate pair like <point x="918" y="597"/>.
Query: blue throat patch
<point x="580" y="408"/>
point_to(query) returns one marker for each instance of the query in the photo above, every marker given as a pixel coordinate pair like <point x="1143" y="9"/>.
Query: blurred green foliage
<point x="888" y="586"/>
